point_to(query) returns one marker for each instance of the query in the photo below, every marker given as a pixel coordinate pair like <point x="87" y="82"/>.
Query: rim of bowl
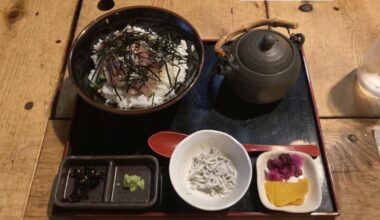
<point x="246" y="187"/>
<point x="142" y="111"/>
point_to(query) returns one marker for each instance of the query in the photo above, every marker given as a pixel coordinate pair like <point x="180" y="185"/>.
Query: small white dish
<point x="200" y="142"/>
<point x="313" y="198"/>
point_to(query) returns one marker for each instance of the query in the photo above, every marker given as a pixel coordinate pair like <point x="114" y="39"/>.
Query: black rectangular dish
<point x="108" y="192"/>
<point x="209" y="105"/>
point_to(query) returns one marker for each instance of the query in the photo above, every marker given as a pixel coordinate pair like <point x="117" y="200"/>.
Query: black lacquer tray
<point x="209" y="105"/>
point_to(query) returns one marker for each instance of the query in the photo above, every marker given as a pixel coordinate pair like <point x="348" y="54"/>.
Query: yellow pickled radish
<point x="286" y="193"/>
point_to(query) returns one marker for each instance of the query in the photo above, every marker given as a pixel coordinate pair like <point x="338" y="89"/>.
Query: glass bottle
<point x="368" y="73"/>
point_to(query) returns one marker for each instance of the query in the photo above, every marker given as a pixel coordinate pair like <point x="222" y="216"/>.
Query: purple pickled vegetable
<point x="286" y="170"/>
<point x="271" y="164"/>
<point x="274" y="176"/>
<point x="284" y="167"/>
<point x="298" y="172"/>
<point x="297" y="160"/>
<point x="284" y="158"/>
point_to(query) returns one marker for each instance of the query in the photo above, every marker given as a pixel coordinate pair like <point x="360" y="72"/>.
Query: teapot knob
<point x="267" y="42"/>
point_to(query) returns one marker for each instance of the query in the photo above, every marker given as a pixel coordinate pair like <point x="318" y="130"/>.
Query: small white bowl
<point x="313" y="198"/>
<point x="200" y="142"/>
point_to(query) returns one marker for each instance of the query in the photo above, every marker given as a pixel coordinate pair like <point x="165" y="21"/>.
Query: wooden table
<point x="36" y="97"/>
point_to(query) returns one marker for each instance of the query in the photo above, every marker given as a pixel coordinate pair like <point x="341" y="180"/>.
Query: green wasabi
<point x="132" y="182"/>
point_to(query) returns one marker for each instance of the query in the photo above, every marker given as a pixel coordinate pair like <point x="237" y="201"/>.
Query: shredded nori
<point x="122" y="69"/>
<point x="85" y="179"/>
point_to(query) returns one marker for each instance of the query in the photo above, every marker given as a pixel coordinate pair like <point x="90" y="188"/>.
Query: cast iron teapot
<point x="261" y="65"/>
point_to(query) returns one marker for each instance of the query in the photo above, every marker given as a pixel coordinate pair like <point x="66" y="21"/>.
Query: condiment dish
<point x="312" y="199"/>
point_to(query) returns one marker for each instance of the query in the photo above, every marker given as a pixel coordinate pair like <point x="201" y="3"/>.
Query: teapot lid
<point x="265" y="51"/>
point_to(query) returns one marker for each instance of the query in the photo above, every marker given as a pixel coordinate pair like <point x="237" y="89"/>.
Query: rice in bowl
<point x="137" y="68"/>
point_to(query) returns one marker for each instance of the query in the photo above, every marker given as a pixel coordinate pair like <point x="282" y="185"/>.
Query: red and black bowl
<point x="80" y="62"/>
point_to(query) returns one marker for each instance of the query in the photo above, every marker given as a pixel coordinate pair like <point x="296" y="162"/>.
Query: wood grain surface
<point x="33" y="39"/>
<point x="51" y="155"/>
<point x="36" y="34"/>
<point x="221" y="18"/>
<point x="337" y="35"/>
<point x="351" y="151"/>
<point x="355" y="166"/>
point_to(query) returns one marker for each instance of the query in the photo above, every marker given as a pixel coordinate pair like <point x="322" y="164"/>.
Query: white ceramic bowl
<point x="313" y="198"/>
<point x="197" y="143"/>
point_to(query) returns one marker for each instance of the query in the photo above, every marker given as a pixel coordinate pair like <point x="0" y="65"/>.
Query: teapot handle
<point x="218" y="48"/>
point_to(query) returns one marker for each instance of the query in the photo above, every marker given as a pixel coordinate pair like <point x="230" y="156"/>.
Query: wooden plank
<point x="358" y="194"/>
<point x="212" y="20"/>
<point x="337" y="34"/>
<point x="47" y="168"/>
<point x="34" y="36"/>
<point x="354" y="163"/>
<point x="355" y="166"/>
<point x="351" y="146"/>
